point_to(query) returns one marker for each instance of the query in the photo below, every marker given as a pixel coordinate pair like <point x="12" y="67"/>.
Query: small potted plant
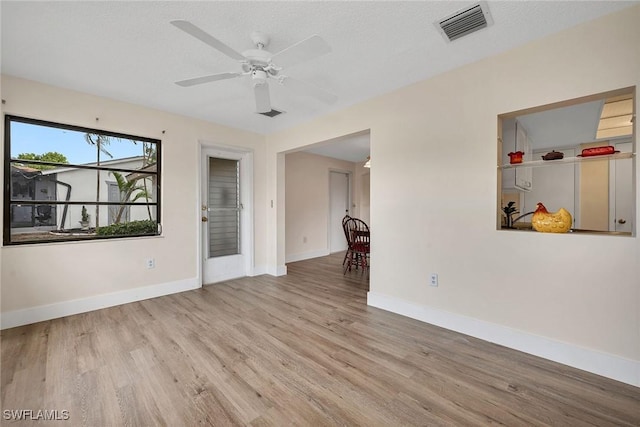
<point x="84" y="222"/>
<point x="509" y="212"/>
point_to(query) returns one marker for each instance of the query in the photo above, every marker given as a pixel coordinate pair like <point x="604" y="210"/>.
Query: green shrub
<point x="128" y="228"/>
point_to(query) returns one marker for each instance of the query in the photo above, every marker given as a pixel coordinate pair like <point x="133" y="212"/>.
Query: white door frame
<point x="349" y="202"/>
<point x="247" y="249"/>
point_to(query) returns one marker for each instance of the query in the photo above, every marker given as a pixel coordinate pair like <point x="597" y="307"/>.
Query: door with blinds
<point x="225" y="219"/>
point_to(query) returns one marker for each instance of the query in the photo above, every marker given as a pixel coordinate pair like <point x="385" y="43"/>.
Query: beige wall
<point x="363" y="193"/>
<point x="434" y="150"/>
<point x="307" y="203"/>
<point x="36" y="275"/>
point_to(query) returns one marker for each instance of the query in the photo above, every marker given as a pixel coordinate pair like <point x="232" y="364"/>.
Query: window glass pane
<point x="55" y="222"/>
<point x="70" y="184"/>
<point x="223" y="183"/>
<point x="113" y="177"/>
<point x="32" y="141"/>
<point x="132" y="187"/>
<point x="224" y="207"/>
<point x="37" y="142"/>
<point x="224" y="226"/>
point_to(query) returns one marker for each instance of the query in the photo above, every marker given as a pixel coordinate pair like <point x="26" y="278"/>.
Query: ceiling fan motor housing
<point x="259" y="77"/>
<point x="258" y="56"/>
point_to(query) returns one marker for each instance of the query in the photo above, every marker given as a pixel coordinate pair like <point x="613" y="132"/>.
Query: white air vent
<point x="465" y="21"/>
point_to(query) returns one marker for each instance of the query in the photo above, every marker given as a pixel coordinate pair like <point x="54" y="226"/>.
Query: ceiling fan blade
<point x="263" y="101"/>
<point x="308" y="89"/>
<point x="207" y="38"/>
<point x="304" y="50"/>
<point x="207" y="79"/>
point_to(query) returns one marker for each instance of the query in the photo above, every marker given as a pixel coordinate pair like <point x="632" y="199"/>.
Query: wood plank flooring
<point x="303" y="349"/>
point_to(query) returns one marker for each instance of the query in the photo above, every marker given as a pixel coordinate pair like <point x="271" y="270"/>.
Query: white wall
<point x="49" y="280"/>
<point x="363" y="193"/>
<point x="307" y="203"/>
<point x="571" y="298"/>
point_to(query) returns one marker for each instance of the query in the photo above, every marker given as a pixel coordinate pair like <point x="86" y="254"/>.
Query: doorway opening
<point x="322" y="183"/>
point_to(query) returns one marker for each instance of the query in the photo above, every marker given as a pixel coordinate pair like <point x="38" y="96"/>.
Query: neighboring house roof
<point x="25" y="171"/>
<point x="137" y="175"/>
<point x="102" y="163"/>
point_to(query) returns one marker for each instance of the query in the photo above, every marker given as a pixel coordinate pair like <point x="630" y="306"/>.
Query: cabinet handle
<point x="622" y="221"/>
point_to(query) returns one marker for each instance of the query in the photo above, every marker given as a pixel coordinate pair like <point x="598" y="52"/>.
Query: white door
<point x="226" y="214"/>
<point x="338" y="207"/>
<point x="621" y="216"/>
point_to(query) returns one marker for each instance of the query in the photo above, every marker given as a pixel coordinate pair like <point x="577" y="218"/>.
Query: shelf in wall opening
<point x="536" y="163"/>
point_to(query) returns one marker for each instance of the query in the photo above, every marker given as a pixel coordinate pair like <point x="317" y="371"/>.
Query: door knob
<point x="622" y="221"/>
<point x="205" y="219"/>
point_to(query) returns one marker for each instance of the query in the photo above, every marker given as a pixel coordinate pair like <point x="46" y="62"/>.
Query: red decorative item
<point x="516" y="157"/>
<point x="598" y="151"/>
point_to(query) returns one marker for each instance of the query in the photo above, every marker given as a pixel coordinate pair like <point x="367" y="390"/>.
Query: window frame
<point x="7" y="193"/>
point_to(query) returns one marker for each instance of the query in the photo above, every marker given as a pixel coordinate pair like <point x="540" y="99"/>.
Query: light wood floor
<point x="303" y="349"/>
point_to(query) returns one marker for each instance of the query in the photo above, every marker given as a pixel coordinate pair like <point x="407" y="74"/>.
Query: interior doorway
<point x="321" y="182"/>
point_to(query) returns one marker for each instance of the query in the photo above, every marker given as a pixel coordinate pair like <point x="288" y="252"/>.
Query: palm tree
<point x="127" y="189"/>
<point x="99" y="141"/>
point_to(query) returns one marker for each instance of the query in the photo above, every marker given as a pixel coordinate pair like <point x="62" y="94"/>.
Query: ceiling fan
<point x="262" y="65"/>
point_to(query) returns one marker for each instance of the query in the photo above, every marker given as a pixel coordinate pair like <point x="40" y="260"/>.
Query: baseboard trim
<point x="607" y="365"/>
<point x="40" y="313"/>
<point x="259" y="271"/>
<point x="281" y="270"/>
<point x="306" y="255"/>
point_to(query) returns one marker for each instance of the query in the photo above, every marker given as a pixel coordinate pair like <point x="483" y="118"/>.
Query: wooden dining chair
<point x="359" y="245"/>
<point x="345" y="229"/>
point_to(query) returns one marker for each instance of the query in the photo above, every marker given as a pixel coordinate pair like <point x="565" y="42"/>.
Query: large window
<point x="70" y="183"/>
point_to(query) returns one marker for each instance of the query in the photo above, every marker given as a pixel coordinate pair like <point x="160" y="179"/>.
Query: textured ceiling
<point x="129" y="51"/>
<point x="354" y="148"/>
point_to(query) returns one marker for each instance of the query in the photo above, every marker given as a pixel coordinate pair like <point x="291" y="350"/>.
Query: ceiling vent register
<point x="272" y="113"/>
<point x="465" y="21"/>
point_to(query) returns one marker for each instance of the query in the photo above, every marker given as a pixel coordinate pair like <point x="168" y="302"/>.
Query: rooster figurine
<point x="557" y="222"/>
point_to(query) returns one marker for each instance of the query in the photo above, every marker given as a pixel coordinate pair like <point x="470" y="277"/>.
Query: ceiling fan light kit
<point x="259" y="77"/>
<point x="261" y="65"/>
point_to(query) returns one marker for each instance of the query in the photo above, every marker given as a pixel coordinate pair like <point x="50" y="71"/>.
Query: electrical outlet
<point x="151" y="263"/>
<point x="304" y="239"/>
<point x="433" y="279"/>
